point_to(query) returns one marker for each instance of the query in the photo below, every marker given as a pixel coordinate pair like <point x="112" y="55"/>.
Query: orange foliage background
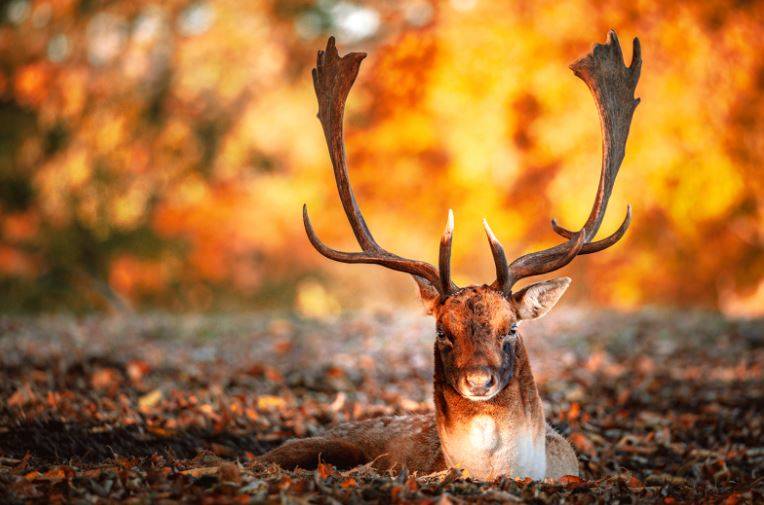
<point x="159" y="152"/>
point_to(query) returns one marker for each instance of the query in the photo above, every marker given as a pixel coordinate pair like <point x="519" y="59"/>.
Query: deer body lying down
<point x="501" y="433"/>
<point x="488" y="418"/>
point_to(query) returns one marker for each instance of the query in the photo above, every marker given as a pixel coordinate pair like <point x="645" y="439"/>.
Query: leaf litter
<point x="661" y="407"/>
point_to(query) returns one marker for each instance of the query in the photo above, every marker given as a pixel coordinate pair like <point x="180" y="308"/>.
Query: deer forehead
<point x="475" y="309"/>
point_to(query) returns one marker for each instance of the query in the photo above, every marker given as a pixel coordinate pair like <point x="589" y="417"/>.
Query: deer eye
<point x="511" y="332"/>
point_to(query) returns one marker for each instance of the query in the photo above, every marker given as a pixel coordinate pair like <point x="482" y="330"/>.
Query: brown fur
<point x="391" y="442"/>
<point x="475" y="320"/>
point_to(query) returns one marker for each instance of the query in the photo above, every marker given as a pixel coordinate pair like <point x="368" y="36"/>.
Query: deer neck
<point x="502" y="436"/>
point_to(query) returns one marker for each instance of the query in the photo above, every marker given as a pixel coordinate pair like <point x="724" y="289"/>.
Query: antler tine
<point x="333" y="78"/>
<point x="592" y="247"/>
<point x="613" y="85"/>
<point x="499" y="257"/>
<point x="381" y="257"/>
<point x="444" y="261"/>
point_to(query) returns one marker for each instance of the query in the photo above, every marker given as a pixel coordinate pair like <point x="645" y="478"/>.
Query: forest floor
<point x="662" y="407"/>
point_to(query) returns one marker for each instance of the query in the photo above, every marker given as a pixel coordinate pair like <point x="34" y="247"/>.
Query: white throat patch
<point x="486" y="450"/>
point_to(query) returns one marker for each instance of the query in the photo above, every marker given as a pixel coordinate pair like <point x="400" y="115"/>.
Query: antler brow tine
<point x="499" y="257"/>
<point x="444" y="261"/>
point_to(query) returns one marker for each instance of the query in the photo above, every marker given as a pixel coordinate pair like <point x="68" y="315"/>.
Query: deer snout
<point x="478" y="382"/>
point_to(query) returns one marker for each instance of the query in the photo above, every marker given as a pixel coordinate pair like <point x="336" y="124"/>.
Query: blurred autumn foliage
<point x="159" y="152"/>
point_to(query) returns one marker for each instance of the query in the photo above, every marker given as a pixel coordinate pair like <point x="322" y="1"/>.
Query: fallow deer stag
<point x="488" y="418"/>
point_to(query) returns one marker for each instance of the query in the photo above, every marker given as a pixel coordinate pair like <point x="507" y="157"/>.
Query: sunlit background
<point x="156" y="154"/>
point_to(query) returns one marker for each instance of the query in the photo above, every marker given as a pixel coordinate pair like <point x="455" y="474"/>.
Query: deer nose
<point x="479" y="380"/>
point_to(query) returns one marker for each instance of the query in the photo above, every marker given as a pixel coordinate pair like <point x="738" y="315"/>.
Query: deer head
<point x="476" y="325"/>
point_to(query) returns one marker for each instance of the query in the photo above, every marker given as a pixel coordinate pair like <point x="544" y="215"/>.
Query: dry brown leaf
<point x="582" y="443"/>
<point x="230" y="472"/>
<point x="201" y="471"/>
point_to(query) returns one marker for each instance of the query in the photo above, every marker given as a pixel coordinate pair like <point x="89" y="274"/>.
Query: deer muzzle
<point x="479" y="383"/>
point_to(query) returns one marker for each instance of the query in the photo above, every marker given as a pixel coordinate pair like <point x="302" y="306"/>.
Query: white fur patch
<point x="482" y="433"/>
<point x="487" y="451"/>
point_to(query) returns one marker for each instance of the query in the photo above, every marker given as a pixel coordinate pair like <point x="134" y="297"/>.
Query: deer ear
<point x="429" y="293"/>
<point x="537" y="299"/>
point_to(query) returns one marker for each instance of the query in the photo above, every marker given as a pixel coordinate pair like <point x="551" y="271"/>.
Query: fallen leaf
<point x="582" y="443"/>
<point x="58" y="473"/>
<point x="348" y="483"/>
<point x="571" y="481"/>
<point x="136" y="369"/>
<point x="324" y="471"/>
<point x="22" y="396"/>
<point x="634" y="483"/>
<point x="33" y="475"/>
<point x="149" y="400"/>
<point x="268" y="402"/>
<point x="105" y="379"/>
<point x="733" y="499"/>
<point x="22" y="465"/>
<point x="201" y="472"/>
<point x="229" y="472"/>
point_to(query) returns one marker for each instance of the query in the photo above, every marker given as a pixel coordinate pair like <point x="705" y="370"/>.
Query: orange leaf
<point x="347" y="483"/>
<point x="324" y="470"/>
<point x="34" y="474"/>
<point x="582" y="443"/>
<point x="285" y="482"/>
<point x="267" y="402"/>
<point x="524" y="482"/>
<point x="21" y="396"/>
<point x="732" y="499"/>
<point x="160" y="431"/>
<point x="136" y="369"/>
<point x="571" y="481"/>
<point x="56" y="473"/>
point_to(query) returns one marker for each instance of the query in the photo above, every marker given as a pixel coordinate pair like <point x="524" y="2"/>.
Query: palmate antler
<point x="332" y="79"/>
<point x="612" y="85"/>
